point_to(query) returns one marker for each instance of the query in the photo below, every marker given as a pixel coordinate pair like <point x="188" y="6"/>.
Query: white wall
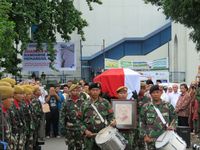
<point x="116" y="19"/>
<point x="188" y="58"/>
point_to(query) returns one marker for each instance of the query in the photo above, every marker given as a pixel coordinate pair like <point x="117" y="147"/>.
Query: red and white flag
<point x="112" y="79"/>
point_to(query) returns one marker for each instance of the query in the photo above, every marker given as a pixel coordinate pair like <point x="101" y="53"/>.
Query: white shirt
<point x="173" y="98"/>
<point x="164" y="97"/>
<point x="44" y="94"/>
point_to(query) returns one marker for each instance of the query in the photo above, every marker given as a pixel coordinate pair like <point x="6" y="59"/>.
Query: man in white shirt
<point x="173" y="97"/>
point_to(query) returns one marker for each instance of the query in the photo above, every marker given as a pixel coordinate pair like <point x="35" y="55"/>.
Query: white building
<point x="115" y="23"/>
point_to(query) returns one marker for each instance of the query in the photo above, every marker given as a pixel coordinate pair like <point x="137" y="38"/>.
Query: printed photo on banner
<point x="65" y="59"/>
<point x="37" y="60"/>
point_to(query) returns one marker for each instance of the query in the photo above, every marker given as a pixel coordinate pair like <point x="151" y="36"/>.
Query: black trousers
<point x="52" y="119"/>
<point x="183" y="121"/>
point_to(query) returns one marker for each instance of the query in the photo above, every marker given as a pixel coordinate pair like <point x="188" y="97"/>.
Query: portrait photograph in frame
<point x="125" y="112"/>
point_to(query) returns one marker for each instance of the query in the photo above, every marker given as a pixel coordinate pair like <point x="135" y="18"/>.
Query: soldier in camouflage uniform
<point x="69" y="119"/>
<point x="6" y="94"/>
<point x="141" y="100"/>
<point x="18" y="107"/>
<point x="37" y="113"/>
<point x="90" y="122"/>
<point x="151" y="126"/>
<point x="28" y="117"/>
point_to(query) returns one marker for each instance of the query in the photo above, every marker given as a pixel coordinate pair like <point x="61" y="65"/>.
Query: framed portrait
<point x="125" y="113"/>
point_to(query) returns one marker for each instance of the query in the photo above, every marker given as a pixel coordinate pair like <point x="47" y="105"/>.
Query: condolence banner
<point x="37" y="60"/>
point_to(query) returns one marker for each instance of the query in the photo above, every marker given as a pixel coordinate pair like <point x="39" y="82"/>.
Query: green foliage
<point x="186" y="12"/>
<point x="8" y="55"/>
<point x="50" y="17"/>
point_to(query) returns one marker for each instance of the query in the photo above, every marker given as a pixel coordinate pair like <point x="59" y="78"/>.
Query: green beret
<point x="94" y="85"/>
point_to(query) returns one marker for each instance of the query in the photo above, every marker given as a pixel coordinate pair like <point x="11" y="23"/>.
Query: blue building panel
<point x="116" y="52"/>
<point x="131" y="46"/>
<point x="150" y="44"/>
<point x="97" y="63"/>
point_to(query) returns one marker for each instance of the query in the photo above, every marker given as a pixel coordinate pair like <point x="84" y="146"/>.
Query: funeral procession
<point x="99" y="75"/>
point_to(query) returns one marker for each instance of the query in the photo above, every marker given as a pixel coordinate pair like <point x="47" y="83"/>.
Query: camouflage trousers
<point x="12" y="143"/>
<point x="29" y="142"/>
<point x="21" y="140"/>
<point x="73" y="139"/>
<point x="132" y="136"/>
<point x="151" y="146"/>
<point x="90" y="144"/>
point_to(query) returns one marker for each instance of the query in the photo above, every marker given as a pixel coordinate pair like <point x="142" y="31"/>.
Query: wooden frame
<point x="125" y="112"/>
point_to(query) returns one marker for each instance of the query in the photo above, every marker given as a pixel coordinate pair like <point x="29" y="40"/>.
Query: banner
<point x="37" y="60"/>
<point x="160" y="64"/>
<point x="157" y="75"/>
<point x="111" y="63"/>
<point x="140" y="66"/>
<point x="126" y="64"/>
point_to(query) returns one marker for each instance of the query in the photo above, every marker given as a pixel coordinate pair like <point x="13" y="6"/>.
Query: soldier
<point x="129" y="134"/>
<point x="37" y="113"/>
<point x="28" y="117"/>
<point x="18" y="106"/>
<point x="141" y="98"/>
<point x="151" y="126"/>
<point x="69" y="119"/>
<point x="91" y="123"/>
<point x="6" y="94"/>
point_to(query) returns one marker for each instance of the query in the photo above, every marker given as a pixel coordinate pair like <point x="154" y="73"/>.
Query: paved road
<point x="54" y="144"/>
<point x="59" y="144"/>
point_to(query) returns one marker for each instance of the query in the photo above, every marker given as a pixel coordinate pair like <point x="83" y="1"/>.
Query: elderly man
<point x="173" y="97"/>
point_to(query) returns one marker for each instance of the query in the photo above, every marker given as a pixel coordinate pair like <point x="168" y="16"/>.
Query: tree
<point x="8" y="55"/>
<point x="49" y="16"/>
<point x="186" y="12"/>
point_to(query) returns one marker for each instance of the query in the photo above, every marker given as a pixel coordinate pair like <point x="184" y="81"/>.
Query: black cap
<point x="154" y="88"/>
<point x="94" y="85"/>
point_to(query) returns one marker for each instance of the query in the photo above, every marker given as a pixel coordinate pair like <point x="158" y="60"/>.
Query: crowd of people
<point x="31" y="113"/>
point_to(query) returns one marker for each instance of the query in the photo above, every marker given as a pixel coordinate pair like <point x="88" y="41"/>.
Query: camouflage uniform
<point x="37" y="116"/>
<point x="140" y="102"/>
<point x="18" y="124"/>
<point x="71" y="128"/>
<point x="10" y="138"/>
<point x="91" y="121"/>
<point x="29" y="124"/>
<point x="151" y="125"/>
<point x="84" y="96"/>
